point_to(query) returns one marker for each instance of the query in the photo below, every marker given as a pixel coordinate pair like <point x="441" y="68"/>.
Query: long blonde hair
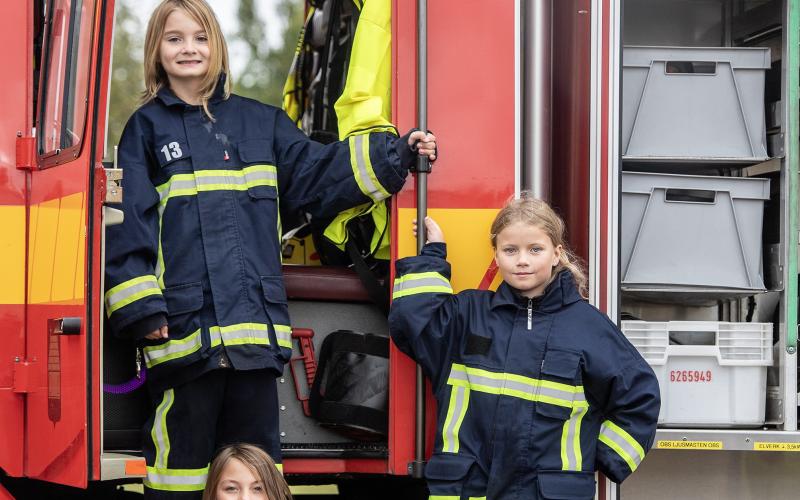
<point x="260" y="464"/>
<point x="154" y="75"/>
<point x="536" y="212"/>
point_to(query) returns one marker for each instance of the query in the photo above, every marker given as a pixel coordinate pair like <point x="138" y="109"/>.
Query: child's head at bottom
<point x="530" y="247"/>
<point x="245" y="472"/>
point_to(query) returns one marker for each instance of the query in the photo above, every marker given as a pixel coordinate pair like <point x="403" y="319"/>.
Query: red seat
<point x="328" y="283"/>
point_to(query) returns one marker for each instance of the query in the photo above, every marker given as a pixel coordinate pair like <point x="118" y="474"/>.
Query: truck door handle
<point x="64" y="326"/>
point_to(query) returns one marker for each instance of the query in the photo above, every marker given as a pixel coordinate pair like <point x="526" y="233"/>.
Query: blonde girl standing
<point x="536" y="389"/>
<point x="194" y="271"/>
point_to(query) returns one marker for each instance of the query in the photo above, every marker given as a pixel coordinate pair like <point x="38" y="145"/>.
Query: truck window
<point x="65" y="79"/>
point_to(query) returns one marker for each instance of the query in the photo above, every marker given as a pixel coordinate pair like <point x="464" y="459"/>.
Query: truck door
<point x="59" y="342"/>
<point x="15" y="120"/>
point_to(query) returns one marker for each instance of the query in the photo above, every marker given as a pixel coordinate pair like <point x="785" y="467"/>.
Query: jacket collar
<point x="560" y="292"/>
<point x="168" y="97"/>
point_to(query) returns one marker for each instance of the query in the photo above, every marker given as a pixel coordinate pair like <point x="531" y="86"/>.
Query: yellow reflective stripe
<point x="130" y="291"/>
<point x="217" y="180"/>
<point x="571" y="455"/>
<point x="159" y="431"/>
<point x="231" y="335"/>
<point x="452" y="497"/>
<point x="243" y="334"/>
<point x="509" y="384"/>
<point x="362" y="168"/>
<point x="160" y="255"/>
<point x="279" y="467"/>
<point x="456" y="410"/>
<point x="161" y="478"/>
<point x="284" y="335"/>
<point x="172" y="349"/>
<point x="415" y="283"/>
<point x="622" y="443"/>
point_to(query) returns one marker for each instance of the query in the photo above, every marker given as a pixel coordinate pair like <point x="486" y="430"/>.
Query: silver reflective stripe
<point x="130" y="291"/>
<point x="176" y="479"/>
<point x="402" y="287"/>
<point x="199" y="479"/>
<point x="507" y="384"/>
<point x="252" y="176"/>
<point x="622" y="443"/>
<point x="284" y="335"/>
<point x="173" y="349"/>
<point x="565" y="397"/>
<point x="159" y="432"/>
<point x="217" y="180"/>
<point x="245" y="333"/>
<point x="185" y="183"/>
<point x="414" y="283"/>
<point x="216" y="338"/>
<point x="456" y="410"/>
<point x="571" y="455"/>
<point x="366" y="176"/>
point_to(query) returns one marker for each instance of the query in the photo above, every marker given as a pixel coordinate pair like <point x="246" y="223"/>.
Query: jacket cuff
<point x="437" y="249"/>
<point x="143" y="327"/>
<point x="408" y="155"/>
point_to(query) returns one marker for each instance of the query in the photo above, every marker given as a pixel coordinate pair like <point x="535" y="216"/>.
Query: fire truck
<point x="579" y="101"/>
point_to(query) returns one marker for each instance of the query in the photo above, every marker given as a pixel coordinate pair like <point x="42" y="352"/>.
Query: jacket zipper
<point x="530" y="314"/>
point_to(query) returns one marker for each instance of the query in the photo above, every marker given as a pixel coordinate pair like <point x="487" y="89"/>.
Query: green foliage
<point x="264" y="75"/>
<point x="127" y="77"/>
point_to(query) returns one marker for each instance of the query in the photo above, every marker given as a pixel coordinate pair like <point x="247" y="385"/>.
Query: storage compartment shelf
<point x="727" y="440"/>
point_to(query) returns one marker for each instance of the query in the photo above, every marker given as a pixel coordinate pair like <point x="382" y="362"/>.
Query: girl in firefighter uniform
<point x="194" y="271"/>
<point x="536" y="389"/>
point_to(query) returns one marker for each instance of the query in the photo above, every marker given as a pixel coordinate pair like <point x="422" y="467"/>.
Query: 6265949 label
<point x="681" y="376"/>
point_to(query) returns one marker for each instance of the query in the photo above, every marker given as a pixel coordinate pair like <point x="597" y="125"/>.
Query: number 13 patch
<point x="172" y="151"/>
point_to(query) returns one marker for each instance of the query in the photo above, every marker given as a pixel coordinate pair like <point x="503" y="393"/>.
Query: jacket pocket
<point x="565" y="485"/>
<point x="277" y="309"/>
<point x="558" y="388"/>
<point x="187" y="340"/>
<point x="256" y="151"/>
<point x="263" y="192"/>
<point x="183" y="298"/>
<point x="183" y="301"/>
<point x="447" y="474"/>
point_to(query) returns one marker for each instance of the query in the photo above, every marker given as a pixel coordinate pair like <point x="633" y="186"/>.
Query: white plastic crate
<point x="694" y="104"/>
<point x="712" y="374"/>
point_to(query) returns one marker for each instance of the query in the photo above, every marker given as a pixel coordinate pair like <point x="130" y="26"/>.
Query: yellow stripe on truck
<point x="466" y="230"/>
<point x="12" y="254"/>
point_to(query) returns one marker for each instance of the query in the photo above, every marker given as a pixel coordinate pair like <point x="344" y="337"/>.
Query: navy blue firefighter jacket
<point x="534" y="395"/>
<point x="200" y="242"/>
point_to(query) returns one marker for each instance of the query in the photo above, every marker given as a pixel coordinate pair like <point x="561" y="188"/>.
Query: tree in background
<point x="127" y="77"/>
<point x="262" y="78"/>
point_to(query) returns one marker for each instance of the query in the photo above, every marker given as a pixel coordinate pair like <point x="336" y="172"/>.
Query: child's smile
<point x="184" y="49"/>
<point x="525" y="256"/>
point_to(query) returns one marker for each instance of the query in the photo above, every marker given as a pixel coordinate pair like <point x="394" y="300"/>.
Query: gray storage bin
<point x="688" y="233"/>
<point x="694" y="104"/>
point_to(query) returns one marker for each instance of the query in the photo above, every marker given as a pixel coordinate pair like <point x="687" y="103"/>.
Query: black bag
<point x="124" y="414"/>
<point x="350" y="393"/>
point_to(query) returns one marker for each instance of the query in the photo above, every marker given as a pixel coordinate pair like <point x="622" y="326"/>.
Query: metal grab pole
<point x="537" y="93"/>
<point x="423" y="167"/>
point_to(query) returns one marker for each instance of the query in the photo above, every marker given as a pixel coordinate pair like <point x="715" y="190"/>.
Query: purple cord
<point x="129" y="386"/>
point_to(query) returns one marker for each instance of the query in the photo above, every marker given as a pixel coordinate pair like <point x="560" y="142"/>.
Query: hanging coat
<point x="365" y="102"/>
